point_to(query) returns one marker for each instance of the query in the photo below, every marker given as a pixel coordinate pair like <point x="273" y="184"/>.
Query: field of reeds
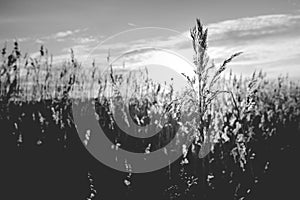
<point x="254" y="124"/>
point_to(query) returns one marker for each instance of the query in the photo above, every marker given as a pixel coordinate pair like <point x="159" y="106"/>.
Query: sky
<point x="267" y="31"/>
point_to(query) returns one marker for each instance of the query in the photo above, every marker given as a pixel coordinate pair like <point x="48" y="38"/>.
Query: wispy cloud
<point x="269" y="42"/>
<point x="39" y="41"/>
<point x="260" y="25"/>
<point x="63" y="34"/>
<point x="131" y="24"/>
<point x="18" y="39"/>
<point x="85" y="39"/>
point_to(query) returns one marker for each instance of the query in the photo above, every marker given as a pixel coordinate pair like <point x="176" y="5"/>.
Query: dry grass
<point x="241" y="112"/>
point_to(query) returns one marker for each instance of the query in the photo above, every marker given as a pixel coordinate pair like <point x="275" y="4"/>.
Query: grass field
<point x="254" y="123"/>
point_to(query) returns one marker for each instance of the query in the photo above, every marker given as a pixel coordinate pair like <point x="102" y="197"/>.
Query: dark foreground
<point x="43" y="158"/>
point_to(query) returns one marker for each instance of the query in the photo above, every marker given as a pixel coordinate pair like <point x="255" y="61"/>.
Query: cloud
<point x="63" y="34"/>
<point x="58" y="37"/>
<point x="24" y="39"/>
<point x="254" y="25"/>
<point x="270" y="42"/>
<point x="39" y="41"/>
<point x="85" y="40"/>
<point x="18" y="39"/>
<point x="131" y="24"/>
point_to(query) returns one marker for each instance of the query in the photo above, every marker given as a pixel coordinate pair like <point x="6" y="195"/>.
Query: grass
<point x="249" y="120"/>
